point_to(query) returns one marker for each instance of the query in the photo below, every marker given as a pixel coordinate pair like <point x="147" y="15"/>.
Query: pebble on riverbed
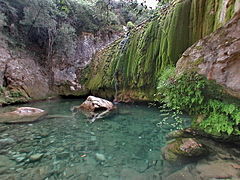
<point x="35" y="157"/>
<point x="100" y="157"/>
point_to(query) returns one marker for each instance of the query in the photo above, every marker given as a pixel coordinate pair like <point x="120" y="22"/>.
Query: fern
<point x="192" y="93"/>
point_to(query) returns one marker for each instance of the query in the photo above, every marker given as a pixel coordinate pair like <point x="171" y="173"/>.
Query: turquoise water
<point x="125" y="145"/>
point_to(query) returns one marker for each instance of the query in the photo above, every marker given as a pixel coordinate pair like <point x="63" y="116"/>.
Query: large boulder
<point x="95" y="108"/>
<point x="93" y="103"/>
<point x="183" y="149"/>
<point x="22" y="115"/>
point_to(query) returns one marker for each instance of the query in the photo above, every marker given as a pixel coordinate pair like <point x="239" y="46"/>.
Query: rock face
<point x="135" y="69"/>
<point x="21" y="72"/>
<point x="183" y="148"/>
<point x="26" y="74"/>
<point x="217" y="57"/>
<point x="29" y="76"/>
<point x="22" y="115"/>
<point x="67" y="71"/>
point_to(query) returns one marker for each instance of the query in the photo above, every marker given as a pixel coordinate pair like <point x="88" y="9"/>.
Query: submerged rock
<point x="183" y="174"/>
<point x="5" y="164"/>
<point x="100" y="157"/>
<point x="183" y="149"/>
<point x="218" y="169"/>
<point x="22" y="115"/>
<point x="36" y="157"/>
<point x="5" y="142"/>
<point x="175" y="134"/>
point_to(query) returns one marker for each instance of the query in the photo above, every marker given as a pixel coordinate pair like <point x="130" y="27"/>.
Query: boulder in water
<point x="22" y="115"/>
<point x="95" y="108"/>
<point x="93" y="103"/>
<point x="183" y="149"/>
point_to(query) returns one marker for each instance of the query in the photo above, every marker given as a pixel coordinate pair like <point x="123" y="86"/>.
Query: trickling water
<point x="126" y="145"/>
<point x="115" y="86"/>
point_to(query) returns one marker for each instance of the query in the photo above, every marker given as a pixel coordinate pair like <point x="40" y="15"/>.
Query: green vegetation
<point x="52" y="26"/>
<point x="9" y="96"/>
<point x="152" y="47"/>
<point x="194" y="94"/>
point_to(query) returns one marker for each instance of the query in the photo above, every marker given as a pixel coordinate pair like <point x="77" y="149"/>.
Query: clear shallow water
<point x="126" y="145"/>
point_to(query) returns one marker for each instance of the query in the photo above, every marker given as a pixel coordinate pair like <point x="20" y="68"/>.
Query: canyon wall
<point x="131" y="66"/>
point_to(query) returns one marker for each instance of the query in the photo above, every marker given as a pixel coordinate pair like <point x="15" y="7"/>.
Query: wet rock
<point x="75" y="173"/>
<point x="94" y="103"/>
<point x="22" y="115"/>
<point x="44" y="133"/>
<point x="218" y="169"/>
<point x="63" y="155"/>
<point x="37" y="173"/>
<point x="95" y="108"/>
<point x="5" y="142"/>
<point x="93" y="138"/>
<point x="20" y="159"/>
<point x="6" y="164"/>
<point x="3" y="128"/>
<point x="36" y="157"/>
<point x="175" y="134"/>
<point x="183" y="148"/>
<point x="132" y="174"/>
<point x="183" y="174"/>
<point x="100" y="157"/>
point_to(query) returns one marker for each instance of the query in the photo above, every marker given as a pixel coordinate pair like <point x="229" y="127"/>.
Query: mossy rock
<point x="176" y="134"/>
<point x="183" y="149"/>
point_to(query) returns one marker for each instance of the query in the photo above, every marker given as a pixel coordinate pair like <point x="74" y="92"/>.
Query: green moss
<point x="198" y="61"/>
<point x="230" y="10"/>
<point x="10" y="96"/>
<point x="154" y="47"/>
<point x="196" y="95"/>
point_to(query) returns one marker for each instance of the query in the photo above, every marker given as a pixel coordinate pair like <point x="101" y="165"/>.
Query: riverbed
<point x="65" y="145"/>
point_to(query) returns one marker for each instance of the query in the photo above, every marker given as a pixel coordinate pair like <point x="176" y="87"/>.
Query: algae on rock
<point x="154" y="46"/>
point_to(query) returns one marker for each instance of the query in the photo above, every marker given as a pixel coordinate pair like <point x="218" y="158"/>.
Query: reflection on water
<point x="126" y="145"/>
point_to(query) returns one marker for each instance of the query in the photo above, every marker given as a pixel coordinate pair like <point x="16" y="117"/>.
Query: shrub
<point x="194" y="94"/>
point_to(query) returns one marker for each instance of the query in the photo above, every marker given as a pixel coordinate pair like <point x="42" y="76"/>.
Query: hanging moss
<point x="156" y="46"/>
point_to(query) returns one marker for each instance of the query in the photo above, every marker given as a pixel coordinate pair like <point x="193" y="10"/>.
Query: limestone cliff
<point x="217" y="57"/>
<point x="21" y="77"/>
<point x="133" y="69"/>
<point x="66" y="72"/>
<point x="25" y="76"/>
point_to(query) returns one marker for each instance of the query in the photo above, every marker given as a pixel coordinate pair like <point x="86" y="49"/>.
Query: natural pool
<point x="126" y="145"/>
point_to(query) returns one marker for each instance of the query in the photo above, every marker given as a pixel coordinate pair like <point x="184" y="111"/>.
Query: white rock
<point x="100" y="157"/>
<point x="36" y="157"/>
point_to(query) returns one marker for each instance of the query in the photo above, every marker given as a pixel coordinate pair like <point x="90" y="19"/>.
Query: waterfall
<point x="116" y="87"/>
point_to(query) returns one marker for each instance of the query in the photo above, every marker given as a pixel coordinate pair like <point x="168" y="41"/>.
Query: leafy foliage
<point x="192" y="93"/>
<point x="65" y="41"/>
<point x="53" y="25"/>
